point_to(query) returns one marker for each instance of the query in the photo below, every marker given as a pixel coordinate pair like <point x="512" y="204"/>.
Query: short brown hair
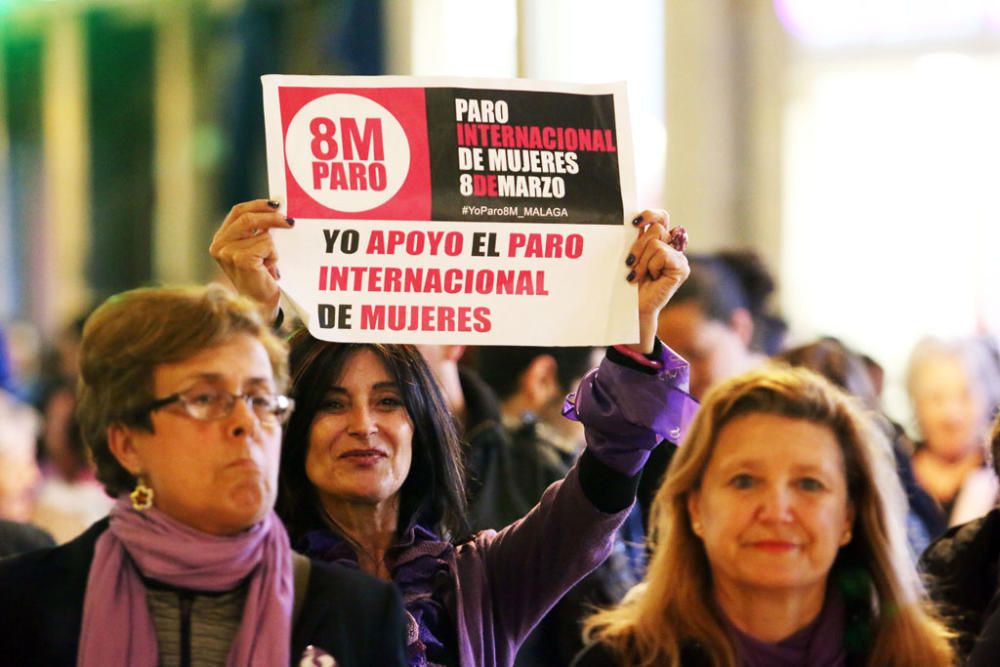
<point x="132" y="333"/>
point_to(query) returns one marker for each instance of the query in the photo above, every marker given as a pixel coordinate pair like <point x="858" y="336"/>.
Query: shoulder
<point x="325" y="577"/>
<point x="977" y="539"/>
<point x="43" y="594"/>
<point x="354" y="617"/>
<point x="334" y="585"/>
<point x="977" y="495"/>
<point x="17" y="538"/>
<point x="39" y="566"/>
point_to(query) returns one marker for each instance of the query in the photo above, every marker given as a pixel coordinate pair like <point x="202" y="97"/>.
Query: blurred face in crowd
<point x="950" y="408"/>
<point x="361" y="441"/>
<point x="772" y="507"/>
<point x="216" y="476"/>
<point x="714" y="350"/>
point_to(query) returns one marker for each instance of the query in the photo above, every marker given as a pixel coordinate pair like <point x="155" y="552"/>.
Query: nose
<point x="362" y="422"/>
<point x="776" y="503"/>
<point x="242" y="421"/>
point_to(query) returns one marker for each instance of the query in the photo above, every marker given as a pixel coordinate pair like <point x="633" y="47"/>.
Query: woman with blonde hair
<point x="778" y="538"/>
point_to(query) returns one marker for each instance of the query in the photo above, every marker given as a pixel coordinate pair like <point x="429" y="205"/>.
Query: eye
<point x="390" y="402"/>
<point x="202" y="396"/>
<point x="332" y="404"/>
<point x="810" y="484"/>
<point x="262" y="401"/>
<point x="742" y="481"/>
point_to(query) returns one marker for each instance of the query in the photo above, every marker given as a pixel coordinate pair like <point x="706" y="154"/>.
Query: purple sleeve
<point x="627" y="411"/>
<point x="509" y="580"/>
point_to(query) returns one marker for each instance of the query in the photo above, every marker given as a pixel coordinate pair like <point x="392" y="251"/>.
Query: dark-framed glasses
<point x="212" y="404"/>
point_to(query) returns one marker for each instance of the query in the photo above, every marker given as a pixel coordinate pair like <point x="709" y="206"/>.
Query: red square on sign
<point x="345" y="153"/>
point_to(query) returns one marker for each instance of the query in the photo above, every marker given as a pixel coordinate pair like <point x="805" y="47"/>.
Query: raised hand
<point x="244" y="249"/>
<point x="658" y="266"/>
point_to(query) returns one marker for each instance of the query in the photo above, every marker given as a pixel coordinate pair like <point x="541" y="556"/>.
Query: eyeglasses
<point x="212" y="404"/>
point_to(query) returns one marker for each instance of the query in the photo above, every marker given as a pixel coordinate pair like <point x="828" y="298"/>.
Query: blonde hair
<point x="875" y="570"/>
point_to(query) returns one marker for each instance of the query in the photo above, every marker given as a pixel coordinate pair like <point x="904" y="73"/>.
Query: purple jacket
<point x="496" y="586"/>
<point x="506" y="581"/>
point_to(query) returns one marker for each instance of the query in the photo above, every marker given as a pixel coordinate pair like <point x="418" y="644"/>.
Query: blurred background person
<point x="962" y="569"/>
<point x="531" y="384"/>
<point x="70" y="498"/>
<point x="7" y="381"/>
<point x="779" y="542"/>
<point x="954" y="386"/>
<point x="719" y="321"/>
<point x="829" y="357"/>
<point x="19" y="471"/>
<point x="182" y="405"/>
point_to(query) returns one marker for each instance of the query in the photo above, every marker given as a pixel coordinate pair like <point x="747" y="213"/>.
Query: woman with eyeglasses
<point x="181" y="404"/>
<point x="372" y="467"/>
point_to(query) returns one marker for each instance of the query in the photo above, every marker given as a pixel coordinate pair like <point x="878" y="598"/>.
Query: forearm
<point x="628" y="407"/>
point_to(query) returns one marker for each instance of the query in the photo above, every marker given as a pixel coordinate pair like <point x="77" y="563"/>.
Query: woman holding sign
<point x="372" y="476"/>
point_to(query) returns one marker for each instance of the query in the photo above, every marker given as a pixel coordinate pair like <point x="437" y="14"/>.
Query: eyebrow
<point x="378" y="385"/>
<point x="751" y="464"/>
<point x="219" y="377"/>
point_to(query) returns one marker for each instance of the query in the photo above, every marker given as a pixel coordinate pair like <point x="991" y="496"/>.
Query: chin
<point x="364" y="495"/>
<point x="251" y="501"/>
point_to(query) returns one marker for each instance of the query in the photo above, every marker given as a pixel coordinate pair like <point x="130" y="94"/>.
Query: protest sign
<point x="458" y="211"/>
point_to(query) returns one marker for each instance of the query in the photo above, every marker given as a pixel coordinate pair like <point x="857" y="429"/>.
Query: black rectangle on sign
<point x="523" y="156"/>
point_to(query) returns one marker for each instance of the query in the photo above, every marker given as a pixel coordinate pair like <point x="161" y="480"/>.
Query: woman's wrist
<point x="647" y="334"/>
<point x="633" y="352"/>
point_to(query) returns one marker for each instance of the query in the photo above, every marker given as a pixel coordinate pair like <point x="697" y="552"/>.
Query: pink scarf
<point x="117" y="627"/>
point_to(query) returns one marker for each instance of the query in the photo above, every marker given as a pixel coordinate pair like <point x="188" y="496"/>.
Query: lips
<point x="368" y="454"/>
<point x="774" y="546"/>
<point x="244" y="463"/>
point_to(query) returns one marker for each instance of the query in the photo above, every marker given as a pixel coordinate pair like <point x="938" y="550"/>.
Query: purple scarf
<point x="819" y="644"/>
<point x="420" y="566"/>
<point x="117" y="627"/>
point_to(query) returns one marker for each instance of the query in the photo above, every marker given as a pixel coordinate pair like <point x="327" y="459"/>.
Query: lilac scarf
<point x="117" y="627"/>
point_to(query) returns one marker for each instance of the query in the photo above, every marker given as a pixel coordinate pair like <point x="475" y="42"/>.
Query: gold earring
<point x="142" y="496"/>
<point x="696" y="527"/>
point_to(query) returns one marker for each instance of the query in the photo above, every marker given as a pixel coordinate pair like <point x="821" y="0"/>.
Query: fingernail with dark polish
<point x="273" y="204"/>
<point x="636" y="220"/>
<point x="631" y="276"/>
<point x="630" y="260"/>
<point x="277" y="273"/>
<point x="290" y="221"/>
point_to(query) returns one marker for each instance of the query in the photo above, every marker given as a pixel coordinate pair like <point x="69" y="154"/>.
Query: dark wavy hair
<point x="433" y="494"/>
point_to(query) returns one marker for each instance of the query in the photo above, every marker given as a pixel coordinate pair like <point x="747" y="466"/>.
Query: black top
<point x="355" y="618"/>
<point x="961" y="571"/>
